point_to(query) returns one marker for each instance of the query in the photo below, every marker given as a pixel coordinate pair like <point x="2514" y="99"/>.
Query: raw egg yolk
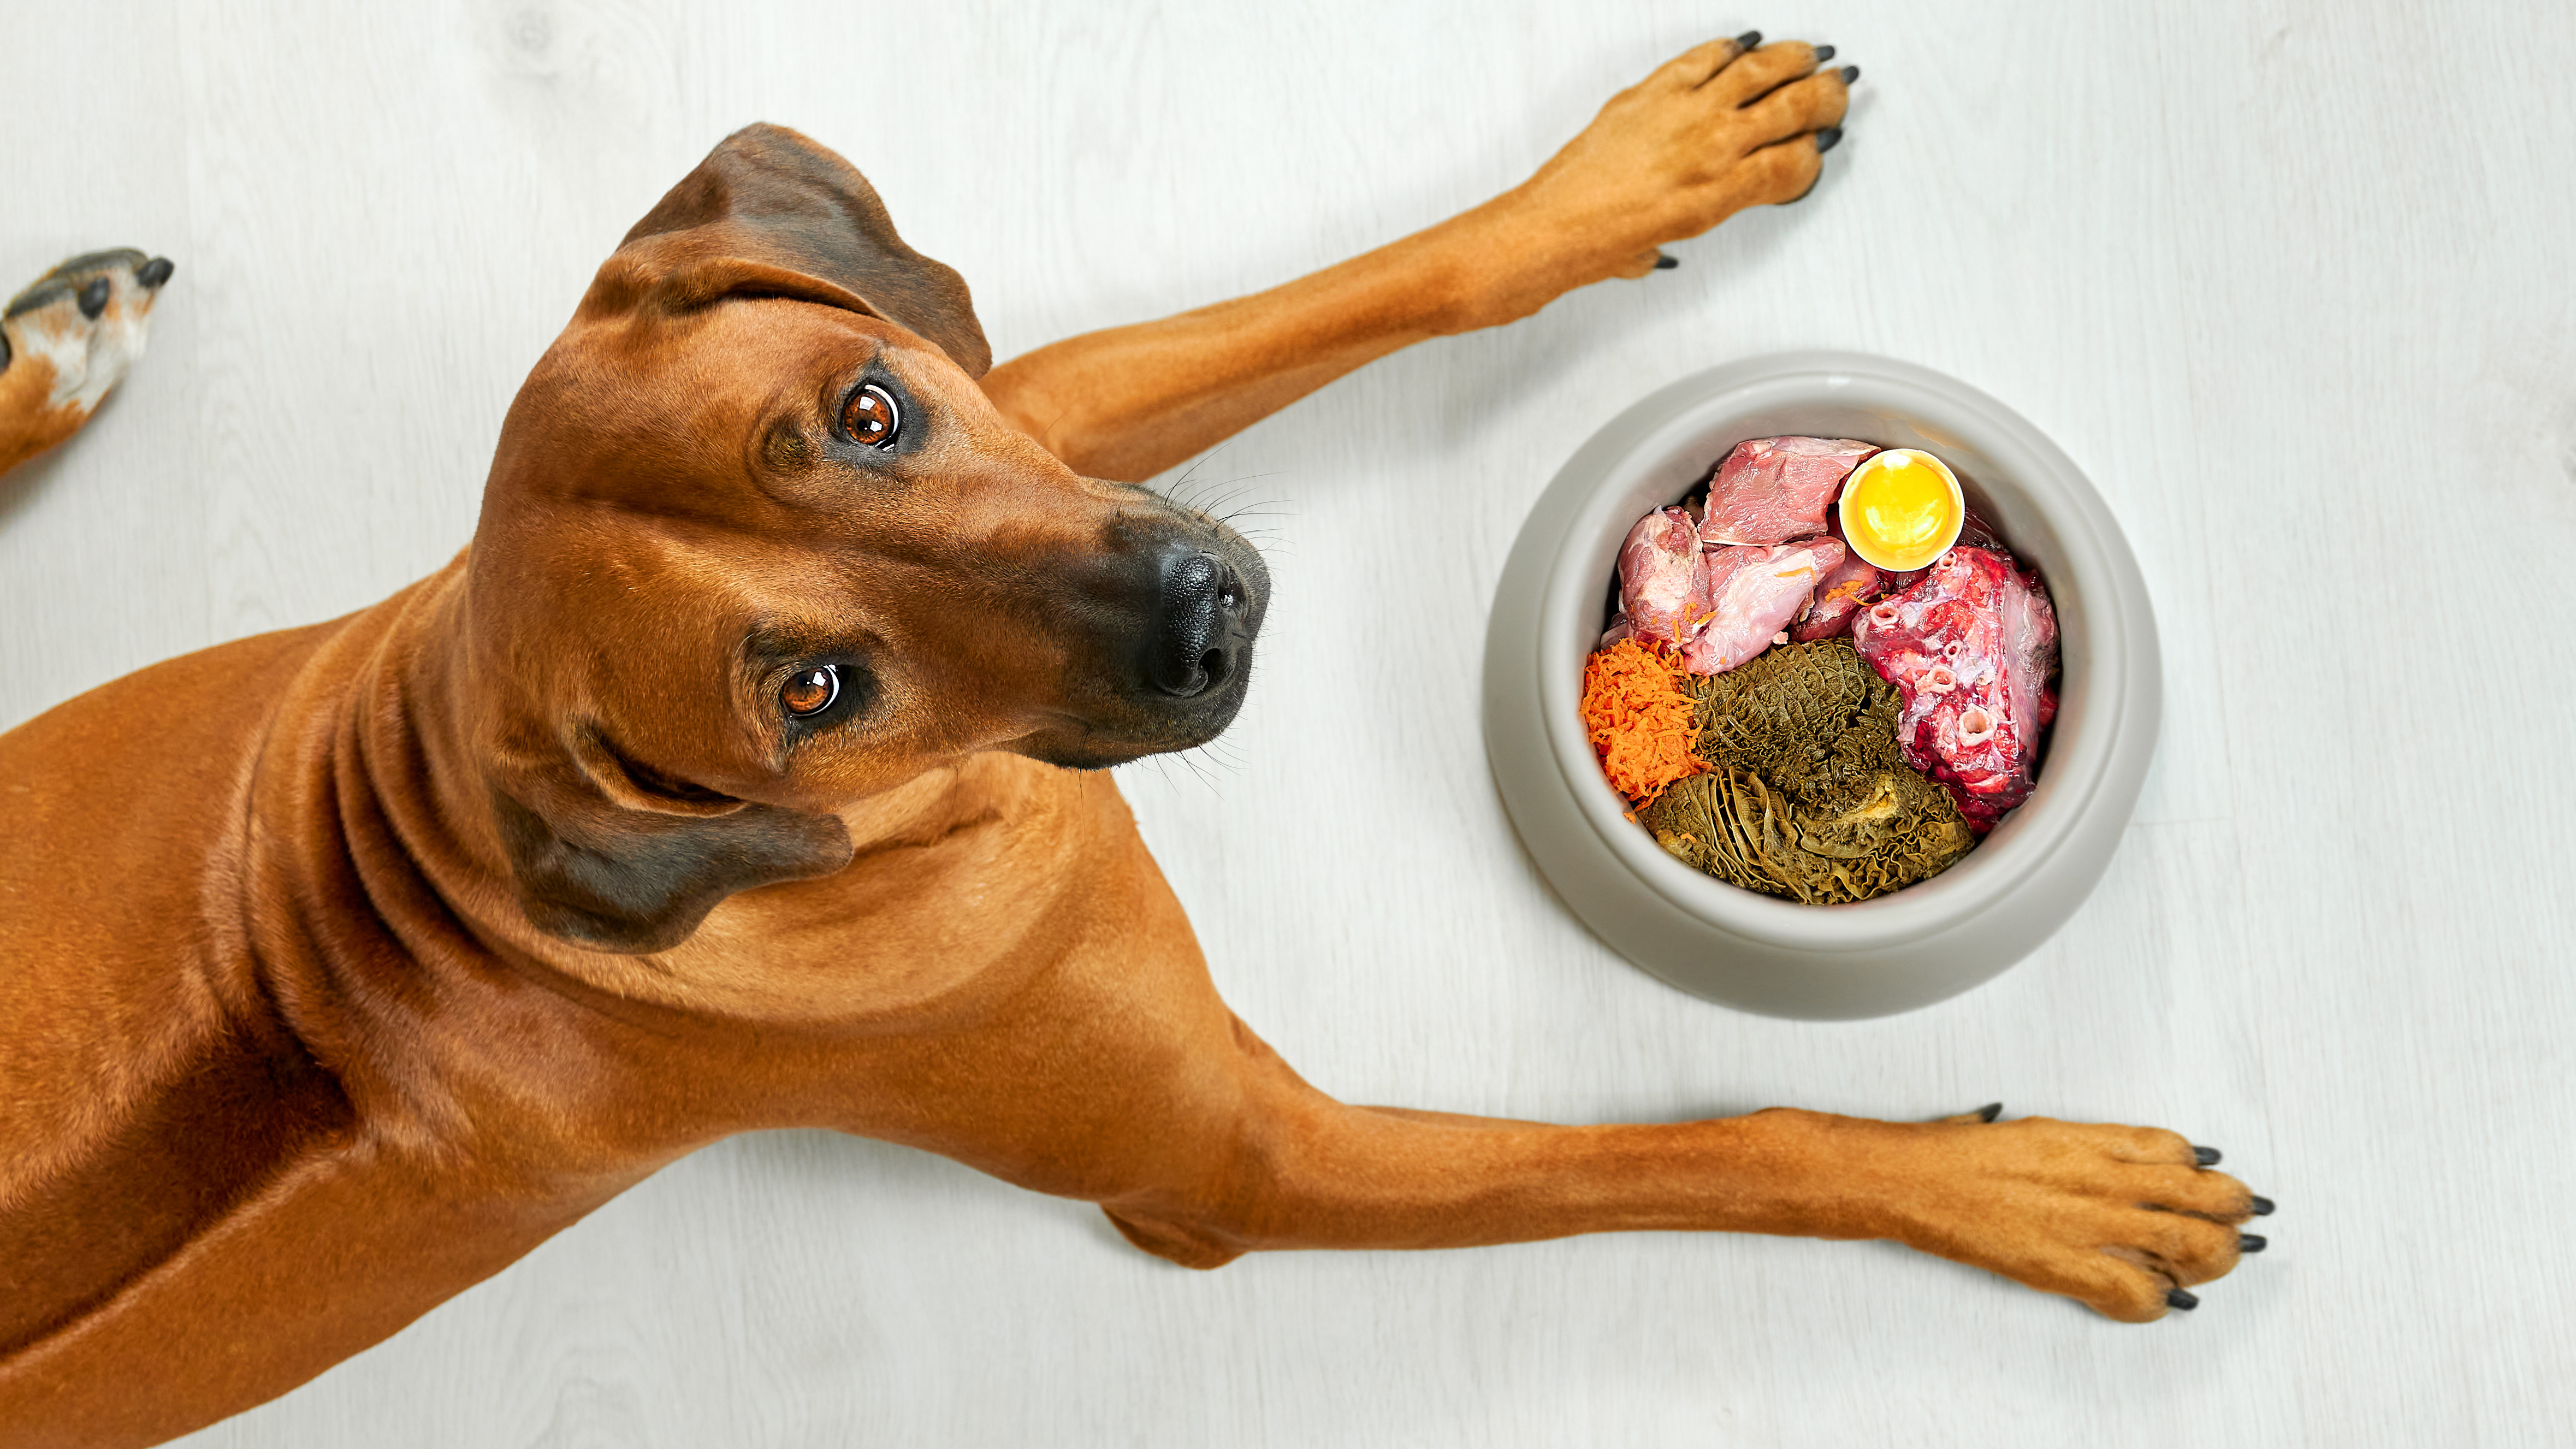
<point x="1899" y="512"/>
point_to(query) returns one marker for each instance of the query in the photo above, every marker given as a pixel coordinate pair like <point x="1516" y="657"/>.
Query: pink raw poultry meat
<point x="1771" y="490"/>
<point x="1969" y="647"/>
<point x="1757" y="592"/>
<point x="1663" y="579"/>
<point x="1843" y="591"/>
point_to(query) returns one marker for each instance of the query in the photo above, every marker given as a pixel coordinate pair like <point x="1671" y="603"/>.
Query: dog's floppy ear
<point x="770" y="213"/>
<point x="614" y="857"/>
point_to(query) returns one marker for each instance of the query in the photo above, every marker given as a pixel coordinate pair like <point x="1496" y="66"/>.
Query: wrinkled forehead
<point x="768" y="275"/>
<point x="658" y="393"/>
<point x="738" y="350"/>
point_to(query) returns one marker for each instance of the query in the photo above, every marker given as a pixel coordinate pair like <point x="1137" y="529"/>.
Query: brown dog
<point x="342" y="966"/>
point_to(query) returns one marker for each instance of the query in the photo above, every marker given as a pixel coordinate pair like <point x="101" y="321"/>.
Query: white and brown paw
<point x="67" y="340"/>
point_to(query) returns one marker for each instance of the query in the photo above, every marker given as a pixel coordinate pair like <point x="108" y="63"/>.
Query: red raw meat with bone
<point x="1970" y="648"/>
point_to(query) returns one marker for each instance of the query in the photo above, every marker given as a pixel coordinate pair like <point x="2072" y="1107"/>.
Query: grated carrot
<point x="1639" y="721"/>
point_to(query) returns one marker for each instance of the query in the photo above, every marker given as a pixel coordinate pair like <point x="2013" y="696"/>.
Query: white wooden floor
<point x="2291" y="280"/>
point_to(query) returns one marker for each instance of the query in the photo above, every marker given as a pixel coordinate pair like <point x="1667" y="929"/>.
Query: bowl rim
<point x="2084" y="584"/>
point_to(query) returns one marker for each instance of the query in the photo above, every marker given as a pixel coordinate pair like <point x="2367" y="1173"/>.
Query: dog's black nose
<point x="1198" y="632"/>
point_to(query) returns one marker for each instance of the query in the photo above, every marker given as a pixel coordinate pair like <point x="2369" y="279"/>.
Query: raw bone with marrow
<point x="1970" y="647"/>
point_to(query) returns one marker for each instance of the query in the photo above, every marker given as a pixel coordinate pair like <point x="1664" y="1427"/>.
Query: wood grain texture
<point x="2288" y="279"/>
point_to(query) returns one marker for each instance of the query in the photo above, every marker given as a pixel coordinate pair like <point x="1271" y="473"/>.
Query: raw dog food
<point x="1840" y="594"/>
<point x="1754" y="593"/>
<point x="1639" y="721"/>
<point x="1761" y="746"/>
<point x="1970" y="647"/>
<point x="1771" y="490"/>
<point x="1807" y="796"/>
<point x="1663" y="578"/>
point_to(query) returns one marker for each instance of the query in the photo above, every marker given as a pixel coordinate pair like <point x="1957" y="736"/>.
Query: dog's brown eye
<point x="811" y="692"/>
<point x="871" y="418"/>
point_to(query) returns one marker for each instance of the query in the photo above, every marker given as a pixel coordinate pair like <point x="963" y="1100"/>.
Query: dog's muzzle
<point x="1174" y="619"/>
<point x="1203" y="626"/>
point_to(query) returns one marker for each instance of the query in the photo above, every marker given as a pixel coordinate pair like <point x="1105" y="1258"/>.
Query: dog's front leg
<point x="1113" y="1072"/>
<point x="66" y="341"/>
<point x="1715" y="130"/>
<point x="2123" y="1219"/>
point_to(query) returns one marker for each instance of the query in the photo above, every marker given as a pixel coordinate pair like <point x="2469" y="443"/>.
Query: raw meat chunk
<point x="1757" y="591"/>
<point x="1663" y="579"/>
<point x="1970" y="647"/>
<point x="1771" y="490"/>
<point x="1841" y="593"/>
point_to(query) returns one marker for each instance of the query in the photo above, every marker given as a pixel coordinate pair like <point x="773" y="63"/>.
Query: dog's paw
<point x="2125" y="1220"/>
<point x="1731" y="124"/>
<point x="67" y="340"/>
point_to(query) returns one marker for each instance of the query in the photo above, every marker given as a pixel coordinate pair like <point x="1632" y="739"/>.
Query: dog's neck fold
<point x="378" y="786"/>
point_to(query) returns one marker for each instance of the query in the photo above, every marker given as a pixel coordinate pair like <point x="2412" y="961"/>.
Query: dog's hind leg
<point x="67" y="340"/>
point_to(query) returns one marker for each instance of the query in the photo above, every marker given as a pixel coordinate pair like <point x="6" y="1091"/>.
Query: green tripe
<point x="1809" y="796"/>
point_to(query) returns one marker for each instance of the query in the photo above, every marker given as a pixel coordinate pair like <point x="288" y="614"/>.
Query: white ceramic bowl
<point x="1906" y="949"/>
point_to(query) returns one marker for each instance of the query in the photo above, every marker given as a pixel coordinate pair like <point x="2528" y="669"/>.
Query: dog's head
<point x="755" y="547"/>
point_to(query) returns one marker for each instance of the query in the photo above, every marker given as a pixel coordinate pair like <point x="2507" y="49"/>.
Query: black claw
<point x="2252" y="1242"/>
<point x="1991" y="1110"/>
<point x="1828" y="138"/>
<point x="1748" y="40"/>
<point x="1824" y="53"/>
<point x="154" y="272"/>
<point x="2208" y="1156"/>
<point x="2181" y="1298"/>
<point x="1850" y="73"/>
<point x="93" y="298"/>
<point x="2262" y="1207"/>
<point x="1666" y="261"/>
